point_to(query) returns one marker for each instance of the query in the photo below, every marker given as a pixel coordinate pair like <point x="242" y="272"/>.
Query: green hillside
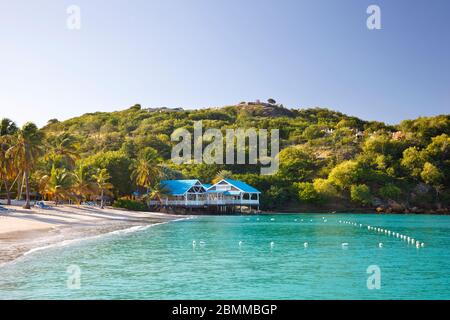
<point x="328" y="161"/>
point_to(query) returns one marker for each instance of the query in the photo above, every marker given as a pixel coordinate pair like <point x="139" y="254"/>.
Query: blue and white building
<point x="193" y="194"/>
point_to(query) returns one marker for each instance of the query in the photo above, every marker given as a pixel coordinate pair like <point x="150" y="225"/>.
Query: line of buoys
<point x="388" y="232"/>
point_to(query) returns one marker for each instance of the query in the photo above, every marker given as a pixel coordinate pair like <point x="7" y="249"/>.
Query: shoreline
<point x="25" y="231"/>
<point x="359" y="211"/>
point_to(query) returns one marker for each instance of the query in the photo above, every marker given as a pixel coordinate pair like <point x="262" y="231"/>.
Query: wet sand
<point x="23" y="230"/>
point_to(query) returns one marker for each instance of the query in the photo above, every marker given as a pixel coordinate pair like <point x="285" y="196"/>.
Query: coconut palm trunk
<point x="8" y="194"/>
<point x="19" y="188"/>
<point x="102" y="205"/>
<point x="27" y="190"/>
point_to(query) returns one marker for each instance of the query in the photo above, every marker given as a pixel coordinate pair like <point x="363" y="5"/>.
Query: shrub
<point x="325" y="188"/>
<point x="360" y="193"/>
<point x="306" y="192"/>
<point x="390" y="191"/>
<point x="130" y="205"/>
<point x="345" y="174"/>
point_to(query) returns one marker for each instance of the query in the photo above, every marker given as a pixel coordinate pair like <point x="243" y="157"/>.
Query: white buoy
<point x="305" y="244"/>
<point x="380" y="245"/>
<point x="273" y="219"/>
<point x="272" y="244"/>
<point x="240" y="243"/>
<point x="417" y="244"/>
<point x="344" y="245"/>
<point x="194" y="243"/>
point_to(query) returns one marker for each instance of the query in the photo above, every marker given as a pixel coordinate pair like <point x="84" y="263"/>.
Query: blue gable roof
<point x="242" y="185"/>
<point x="207" y="185"/>
<point x="178" y="187"/>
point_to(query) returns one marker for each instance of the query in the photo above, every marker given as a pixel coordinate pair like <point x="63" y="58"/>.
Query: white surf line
<point x="71" y="241"/>
<point x="115" y="232"/>
<point x="386" y="232"/>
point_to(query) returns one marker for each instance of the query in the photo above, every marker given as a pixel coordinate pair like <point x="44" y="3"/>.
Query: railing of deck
<point x="204" y="202"/>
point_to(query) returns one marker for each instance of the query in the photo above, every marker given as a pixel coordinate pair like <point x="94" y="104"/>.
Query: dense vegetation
<point x="328" y="159"/>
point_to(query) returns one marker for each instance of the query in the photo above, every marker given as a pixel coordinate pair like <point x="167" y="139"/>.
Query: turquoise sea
<point x="245" y="257"/>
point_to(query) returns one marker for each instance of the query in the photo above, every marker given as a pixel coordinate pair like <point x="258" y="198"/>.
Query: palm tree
<point x="7" y="127"/>
<point x="222" y="174"/>
<point x="7" y="166"/>
<point x="63" y="147"/>
<point x="101" y="179"/>
<point x="25" y="151"/>
<point x="157" y="192"/>
<point x="82" y="185"/>
<point x="56" y="185"/>
<point x="7" y="170"/>
<point x="168" y="173"/>
<point x="147" y="171"/>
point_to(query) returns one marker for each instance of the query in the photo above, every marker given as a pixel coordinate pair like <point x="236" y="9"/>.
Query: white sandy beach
<point x="23" y="230"/>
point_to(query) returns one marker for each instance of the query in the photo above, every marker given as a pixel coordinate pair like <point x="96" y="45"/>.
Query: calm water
<point x="161" y="262"/>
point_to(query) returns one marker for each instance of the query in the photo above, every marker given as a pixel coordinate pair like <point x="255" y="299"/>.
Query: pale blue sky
<point x="201" y="53"/>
